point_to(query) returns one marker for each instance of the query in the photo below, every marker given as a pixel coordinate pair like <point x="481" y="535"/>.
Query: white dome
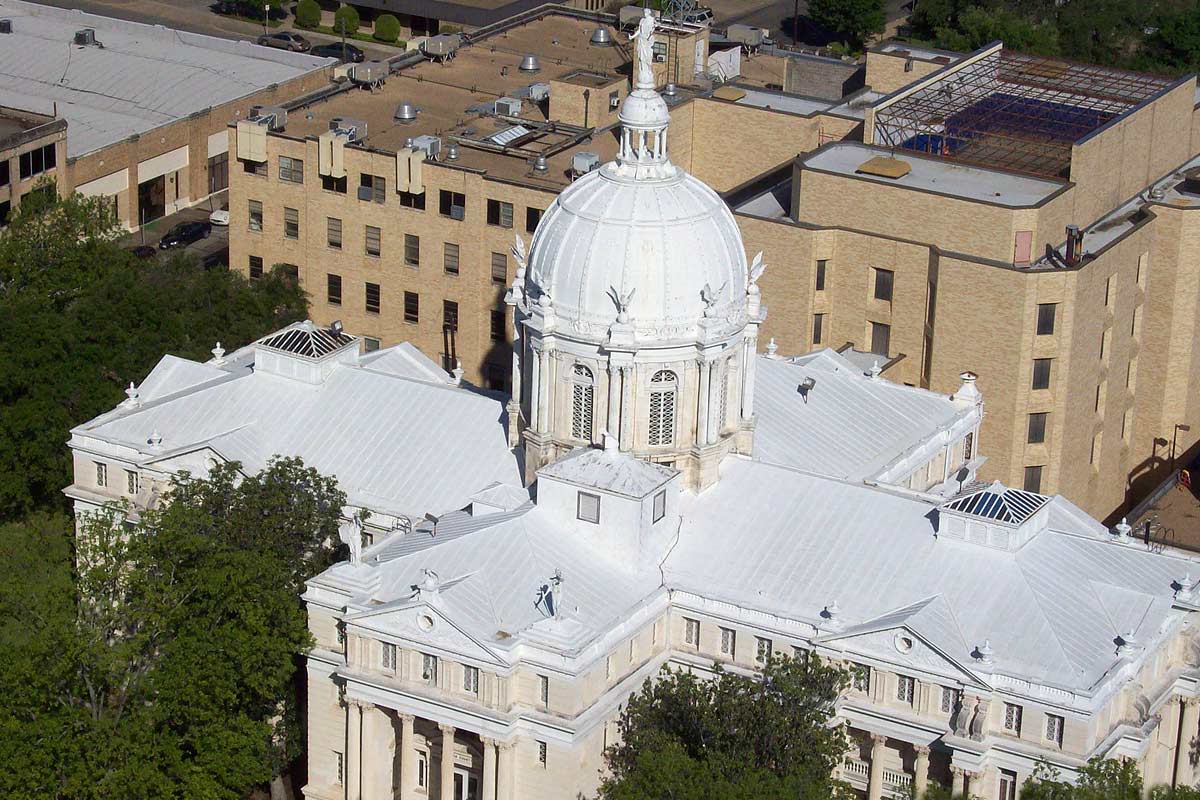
<point x="665" y="240"/>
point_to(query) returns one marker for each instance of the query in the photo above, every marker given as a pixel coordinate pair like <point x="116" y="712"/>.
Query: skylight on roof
<point x="310" y="342"/>
<point x="999" y="503"/>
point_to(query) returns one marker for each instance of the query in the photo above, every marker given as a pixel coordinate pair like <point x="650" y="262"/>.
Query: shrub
<point x="308" y="14"/>
<point x="346" y="16"/>
<point x="387" y="28"/>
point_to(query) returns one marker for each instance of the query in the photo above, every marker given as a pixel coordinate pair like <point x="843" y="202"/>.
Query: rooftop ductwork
<point x="601" y="37"/>
<point x="530" y="63"/>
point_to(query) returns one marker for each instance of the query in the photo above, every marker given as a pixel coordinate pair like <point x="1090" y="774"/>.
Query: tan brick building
<point x="31" y="148"/>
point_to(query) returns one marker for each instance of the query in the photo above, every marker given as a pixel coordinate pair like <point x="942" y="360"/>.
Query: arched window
<point x="662" y="407"/>
<point x="582" y="389"/>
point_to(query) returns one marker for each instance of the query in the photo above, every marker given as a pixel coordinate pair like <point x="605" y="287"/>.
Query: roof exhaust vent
<point x="452" y="152"/>
<point x="1074" y="245"/>
<point x="405" y="113"/>
<point x="540" y="165"/>
<point x="530" y="63"/>
<point x="601" y="37"/>
<point x="5" y="26"/>
<point x="85" y="37"/>
<point x="670" y="90"/>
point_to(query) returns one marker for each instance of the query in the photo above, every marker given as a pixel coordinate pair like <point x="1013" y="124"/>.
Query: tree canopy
<point x="170" y="673"/>
<point x="731" y="736"/>
<point x="80" y="318"/>
<point x="853" y="20"/>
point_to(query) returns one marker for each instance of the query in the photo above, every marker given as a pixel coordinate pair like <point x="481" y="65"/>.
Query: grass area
<point x="274" y="23"/>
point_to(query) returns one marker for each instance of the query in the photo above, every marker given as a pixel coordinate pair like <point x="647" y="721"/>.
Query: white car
<point x="219" y="217"/>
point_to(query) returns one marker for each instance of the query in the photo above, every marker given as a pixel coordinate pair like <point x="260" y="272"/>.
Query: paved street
<point x="211" y="251"/>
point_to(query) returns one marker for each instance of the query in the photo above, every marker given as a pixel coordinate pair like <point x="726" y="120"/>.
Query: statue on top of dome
<point x="622" y="301"/>
<point x="645" y="50"/>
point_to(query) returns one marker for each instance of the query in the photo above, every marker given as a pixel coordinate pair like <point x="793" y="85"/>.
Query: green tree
<point x="308" y="13"/>
<point x="80" y="319"/>
<point x="855" y="20"/>
<point x="387" y="28"/>
<point x="169" y="670"/>
<point x="691" y="737"/>
<point x="977" y="27"/>
<point x="345" y="20"/>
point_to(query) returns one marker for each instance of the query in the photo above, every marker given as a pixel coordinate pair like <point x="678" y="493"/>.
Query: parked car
<point x="142" y="251"/>
<point x="286" y="40"/>
<point x="700" y="15"/>
<point x="350" y="55"/>
<point x="184" y="234"/>
<point x="220" y="217"/>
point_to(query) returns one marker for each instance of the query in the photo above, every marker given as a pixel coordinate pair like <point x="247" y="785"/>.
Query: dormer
<point x="628" y="507"/>
<point x="996" y="517"/>
<point x="305" y="352"/>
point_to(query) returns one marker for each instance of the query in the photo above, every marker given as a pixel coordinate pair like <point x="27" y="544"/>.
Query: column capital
<point x="922" y="749"/>
<point x="488" y="741"/>
<point x="447" y="729"/>
<point x="407" y="717"/>
<point x="878" y="739"/>
<point x="354" y="702"/>
<point x="505" y="747"/>
<point x="1191" y="702"/>
<point x="957" y="770"/>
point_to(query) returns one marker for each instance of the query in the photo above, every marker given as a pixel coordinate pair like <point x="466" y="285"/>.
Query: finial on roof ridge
<point x="772" y="348"/>
<point x="1122" y="530"/>
<point x="133" y="399"/>
<point x="155" y="440"/>
<point x="218" y="355"/>
<point x="458" y="372"/>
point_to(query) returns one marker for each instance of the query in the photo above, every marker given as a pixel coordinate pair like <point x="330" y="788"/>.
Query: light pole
<point x="1179" y="426"/>
<point x="266" y="17"/>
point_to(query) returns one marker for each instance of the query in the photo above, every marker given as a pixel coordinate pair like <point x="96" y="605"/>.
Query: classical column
<point x="875" y="781"/>
<point x="506" y="768"/>
<point x="957" y="781"/>
<point x="974" y="783"/>
<point x="703" y="404"/>
<point x="353" y="761"/>
<point x="921" y="771"/>
<point x="626" y="408"/>
<point x="614" y="399"/>
<point x="447" y="763"/>
<point x="516" y="359"/>
<point x="535" y="390"/>
<point x="749" y="362"/>
<point x="489" y="769"/>
<point x="1188" y="725"/>
<point x="378" y="747"/>
<point x="408" y="758"/>
<point x="545" y="416"/>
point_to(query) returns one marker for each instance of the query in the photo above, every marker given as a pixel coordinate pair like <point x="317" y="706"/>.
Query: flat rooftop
<point x="143" y="77"/>
<point x="453" y="98"/>
<point x="935" y="175"/>
<point x="14" y="121"/>
<point x="781" y="101"/>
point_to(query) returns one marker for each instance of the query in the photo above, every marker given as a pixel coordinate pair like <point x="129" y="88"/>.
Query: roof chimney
<point x="968" y="392"/>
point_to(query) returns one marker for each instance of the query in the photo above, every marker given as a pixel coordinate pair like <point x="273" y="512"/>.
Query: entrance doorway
<point x="466" y="785"/>
<point x="152" y="199"/>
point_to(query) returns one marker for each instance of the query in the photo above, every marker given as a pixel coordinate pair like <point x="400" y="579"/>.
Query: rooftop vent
<point x="85" y="37"/>
<point x="304" y="351"/>
<point x="405" y="112"/>
<point x="509" y="106"/>
<point x="5" y="26"/>
<point x="884" y="167"/>
<point x="274" y="117"/>
<point x="1074" y="245"/>
<point x="584" y="162"/>
<point x="540" y="165"/>
<point x="452" y="152"/>
<point x="669" y="90"/>
<point x="355" y="129"/>
<point x="530" y="63"/>
<point x="994" y="516"/>
<point x="601" y="37"/>
<point x="432" y="145"/>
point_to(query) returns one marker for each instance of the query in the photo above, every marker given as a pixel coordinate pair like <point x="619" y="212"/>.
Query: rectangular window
<point x="762" y="651"/>
<point x="544" y="690"/>
<point x="422" y="769"/>
<point x="1037" y="428"/>
<point x="1033" y="479"/>
<point x="331" y="184"/>
<point x="660" y="506"/>
<point x="1096" y="441"/>
<point x="1012" y="718"/>
<point x="452" y="204"/>
<point x="1041" y="373"/>
<point x="389" y="656"/>
<point x="1133" y="322"/>
<point x="449" y="315"/>
<point x="500" y="268"/>
<point x="883" y="284"/>
<point x="291" y="170"/>
<point x="132" y="483"/>
<point x="1105" y="339"/>
<point x="906" y="689"/>
<point x="822" y="265"/>
<point x="370" y="344"/>
<point x="333" y="232"/>
<point x="728" y="642"/>
<point x="1008" y="785"/>
<point x="499" y="213"/>
<point x="497" y="326"/>
<point x="1054" y="729"/>
<point x="950" y="699"/>
<point x="35" y="162"/>
<point x="372" y="188"/>
<point x="256" y="215"/>
<point x="101" y="474"/>
<point x="470" y="679"/>
<point x="374" y="241"/>
<point x="291" y="223"/>
<point x="1109" y="285"/>
<point x="333" y="289"/>
<point x="450" y="258"/>
<point x="860" y="677"/>
<point x="256" y="267"/>
<point x="373" y="300"/>
<point x="542" y="754"/>
<point x="429" y="668"/>
<point x="691" y="632"/>
<point x="1045" y="318"/>
<point x="4" y="177"/>
<point x="339" y="767"/>
<point x="818" y="328"/>
<point x="411" y="200"/>
<point x="412" y="306"/>
<point x="588" y="508"/>
<point x="412" y="250"/>
<point x="1125" y="427"/>
<point x="532" y="217"/>
<point x="258" y="168"/>
<point x="881" y="338"/>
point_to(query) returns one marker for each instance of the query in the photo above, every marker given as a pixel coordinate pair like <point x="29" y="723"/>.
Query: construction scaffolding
<point x="1011" y="111"/>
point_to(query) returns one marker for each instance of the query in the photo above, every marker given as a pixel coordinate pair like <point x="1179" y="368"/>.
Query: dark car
<point x="350" y="54"/>
<point x="286" y="40"/>
<point x="184" y="234"/>
<point x="142" y="251"/>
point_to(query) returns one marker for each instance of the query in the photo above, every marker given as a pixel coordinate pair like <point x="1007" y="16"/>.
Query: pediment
<point x="906" y="649"/>
<point x="423" y="623"/>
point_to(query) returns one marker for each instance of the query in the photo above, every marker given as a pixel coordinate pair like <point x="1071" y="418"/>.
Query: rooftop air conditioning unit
<point x="539" y="92"/>
<point x="584" y="162"/>
<point x="355" y="129"/>
<point x="5" y="26"/>
<point x="85" y="37"/>
<point x="614" y="101"/>
<point x="509" y="106"/>
<point x="275" y="117"/>
<point x="432" y="145"/>
<point x="660" y="58"/>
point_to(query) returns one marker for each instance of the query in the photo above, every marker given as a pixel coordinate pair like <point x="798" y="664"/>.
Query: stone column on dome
<point x="626" y="408"/>
<point x="489" y="769"/>
<point x="353" y="760"/>
<point x="614" y="399"/>
<point x="702" y="405"/>
<point x="408" y="758"/>
<point x="446" y="789"/>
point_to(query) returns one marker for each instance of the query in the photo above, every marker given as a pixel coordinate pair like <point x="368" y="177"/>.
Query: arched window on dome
<point x="662" y="407"/>
<point x="582" y="391"/>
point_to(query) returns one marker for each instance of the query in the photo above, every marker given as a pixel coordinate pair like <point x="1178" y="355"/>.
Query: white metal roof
<point x="143" y="77"/>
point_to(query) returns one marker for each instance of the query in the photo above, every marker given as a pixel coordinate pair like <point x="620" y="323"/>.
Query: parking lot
<point x="211" y="251"/>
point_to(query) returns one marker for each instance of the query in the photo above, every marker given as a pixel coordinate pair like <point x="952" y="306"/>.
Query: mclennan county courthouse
<point x="662" y="488"/>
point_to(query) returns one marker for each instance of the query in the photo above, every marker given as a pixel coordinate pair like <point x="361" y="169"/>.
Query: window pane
<point x="412" y="250"/>
<point x="500" y="268"/>
<point x="450" y="259"/>
<point x="1041" y="373"/>
<point x="450" y="314"/>
<point x="373" y="238"/>
<point x="256" y="266"/>
<point x="1037" y="428"/>
<point x="1033" y="479"/>
<point x="883" y="284"/>
<point x="412" y="306"/>
<point x="334" y="289"/>
<point x="588" y="508"/>
<point x="1045" y="319"/>
<point x="291" y="223"/>
<point x="334" y="231"/>
<point x="881" y="336"/>
<point x="821" y="266"/>
<point x="532" y="217"/>
<point x="818" y="328"/>
<point x="372" y="294"/>
<point x="256" y="215"/>
<point x="497" y="328"/>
